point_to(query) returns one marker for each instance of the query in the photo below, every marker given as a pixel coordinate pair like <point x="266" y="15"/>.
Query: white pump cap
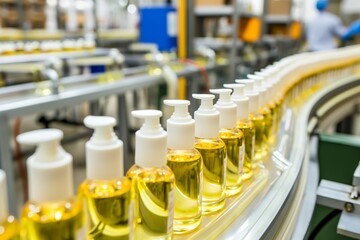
<point x="3" y="197"/>
<point x="239" y="98"/>
<point x="226" y="107"/>
<point x="104" y="151"/>
<point x="207" y="118"/>
<point x="150" y="140"/>
<point x="49" y="168"/>
<point x="264" y="77"/>
<point x="249" y="84"/>
<point x="257" y="80"/>
<point x="251" y="93"/>
<point x="259" y="88"/>
<point x="180" y="126"/>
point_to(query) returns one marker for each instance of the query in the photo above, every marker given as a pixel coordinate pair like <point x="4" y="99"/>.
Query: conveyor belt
<point x="273" y="211"/>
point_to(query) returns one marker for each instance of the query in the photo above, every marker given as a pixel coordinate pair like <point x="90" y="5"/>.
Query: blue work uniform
<point x="321" y="32"/>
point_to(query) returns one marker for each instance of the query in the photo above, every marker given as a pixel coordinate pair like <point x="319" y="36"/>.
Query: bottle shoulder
<point x="209" y="143"/>
<point x="271" y="104"/>
<point x="188" y="155"/>
<point x="9" y="228"/>
<point x="163" y="173"/>
<point x="230" y="133"/>
<point x="264" y="110"/>
<point x="245" y="124"/>
<point x="105" y="188"/>
<point x="133" y="171"/>
<point x="256" y="117"/>
<point x="52" y="211"/>
<point x="158" y="174"/>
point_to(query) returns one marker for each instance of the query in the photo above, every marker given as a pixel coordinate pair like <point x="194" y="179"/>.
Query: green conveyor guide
<point x="338" y="156"/>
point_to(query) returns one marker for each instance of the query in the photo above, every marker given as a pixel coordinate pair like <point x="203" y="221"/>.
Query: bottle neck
<point x="150" y="151"/>
<point x="104" y="162"/>
<point x="180" y="136"/>
<point x="207" y="125"/>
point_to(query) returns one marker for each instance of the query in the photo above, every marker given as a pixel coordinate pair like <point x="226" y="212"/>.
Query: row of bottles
<point x="179" y="175"/>
<point x="20" y="47"/>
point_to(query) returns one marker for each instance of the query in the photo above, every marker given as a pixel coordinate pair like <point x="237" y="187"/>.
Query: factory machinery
<point x="316" y="91"/>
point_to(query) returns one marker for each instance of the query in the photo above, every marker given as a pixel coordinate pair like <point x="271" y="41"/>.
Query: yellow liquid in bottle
<point x="188" y="171"/>
<point x="106" y="205"/>
<point x="56" y="221"/>
<point x="272" y="135"/>
<point x="152" y="206"/>
<point x="9" y="229"/>
<point x="278" y="112"/>
<point x="260" y="149"/>
<point x="266" y="113"/>
<point x="235" y="150"/>
<point x="213" y="152"/>
<point x="248" y="129"/>
<point x="133" y="171"/>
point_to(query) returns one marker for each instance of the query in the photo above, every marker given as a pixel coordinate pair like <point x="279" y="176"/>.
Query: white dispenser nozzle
<point x="3" y="197"/>
<point x="103" y="129"/>
<point x="238" y="90"/>
<point x="256" y="78"/>
<point x="226" y="107"/>
<point x="180" y="126"/>
<point x="150" y="140"/>
<point x="264" y="78"/>
<point x="104" y="151"/>
<point x="262" y="73"/>
<point x="49" y="168"/>
<point x="265" y="75"/>
<point x="206" y="101"/>
<point x="207" y="118"/>
<point x="239" y="98"/>
<point x="249" y="84"/>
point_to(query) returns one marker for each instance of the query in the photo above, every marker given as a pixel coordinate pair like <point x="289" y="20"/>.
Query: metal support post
<point x="192" y="87"/>
<point x="233" y="51"/>
<point x="6" y="163"/>
<point x="21" y="15"/>
<point x="96" y="24"/>
<point x="123" y="129"/>
<point x="190" y="35"/>
<point x="343" y="197"/>
<point x="264" y="26"/>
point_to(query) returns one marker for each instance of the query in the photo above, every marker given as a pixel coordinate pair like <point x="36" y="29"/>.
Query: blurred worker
<point x="353" y="30"/>
<point x="324" y="29"/>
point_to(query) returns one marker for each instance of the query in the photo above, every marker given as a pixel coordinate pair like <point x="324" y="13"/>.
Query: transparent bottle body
<point x="106" y="207"/>
<point x="260" y="145"/>
<point x="272" y="136"/>
<point x="248" y="129"/>
<point x="52" y="220"/>
<point x="235" y="150"/>
<point x="9" y="229"/>
<point x="213" y="152"/>
<point x="152" y="203"/>
<point x="278" y="111"/>
<point x="188" y="171"/>
<point x="268" y="118"/>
